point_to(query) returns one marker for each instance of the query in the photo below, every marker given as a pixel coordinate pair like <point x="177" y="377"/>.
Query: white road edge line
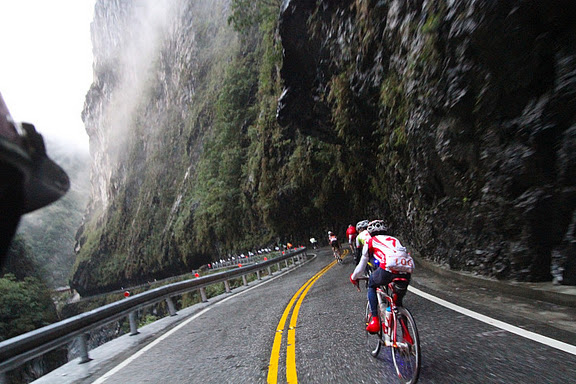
<point x="120" y="366"/>
<point x="497" y="323"/>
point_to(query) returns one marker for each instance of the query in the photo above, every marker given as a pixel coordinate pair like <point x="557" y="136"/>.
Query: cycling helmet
<point x="377" y="227"/>
<point x="329" y="232"/>
<point x="362" y="225"/>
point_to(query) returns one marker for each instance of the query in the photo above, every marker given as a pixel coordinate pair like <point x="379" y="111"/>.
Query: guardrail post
<point x="3" y="379"/>
<point x="286" y="261"/>
<point x="171" y="307"/>
<point x="227" y="285"/>
<point x="269" y="271"/>
<point x="133" y="323"/>
<point x="203" y="294"/>
<point x="278" y="266"/>
<point x="83" y="346"/>
<point x="244" y="281"/>
<point x="258" y="275"/>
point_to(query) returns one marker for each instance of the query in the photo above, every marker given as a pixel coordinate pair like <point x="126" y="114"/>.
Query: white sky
<point x="46" y="65"/>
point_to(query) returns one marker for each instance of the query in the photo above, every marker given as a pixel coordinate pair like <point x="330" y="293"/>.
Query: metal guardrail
<point x="18" y="350"/>
<point x="230" y="263"/>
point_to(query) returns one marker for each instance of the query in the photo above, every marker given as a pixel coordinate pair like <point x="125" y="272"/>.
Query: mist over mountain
<point x="217" y="126"/>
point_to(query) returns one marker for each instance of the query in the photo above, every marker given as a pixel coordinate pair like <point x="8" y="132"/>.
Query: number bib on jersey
<point x="392" y="255"/>
<point x="400" y="262"/>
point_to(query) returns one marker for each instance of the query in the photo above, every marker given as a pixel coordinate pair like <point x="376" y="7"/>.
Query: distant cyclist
<point x="333" y="241"/>
<point x="351" y="234"/>
<point x="313" y="242"/>
<point x="361" y="239"/>
<point x="394" y="262"/>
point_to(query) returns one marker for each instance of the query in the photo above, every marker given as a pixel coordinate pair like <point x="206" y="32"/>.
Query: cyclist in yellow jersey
<point x="361" y="239"/>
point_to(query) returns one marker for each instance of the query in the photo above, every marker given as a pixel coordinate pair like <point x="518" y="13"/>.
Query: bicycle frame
<point x="352" y="246"/>
<point x="337" y="251"/>
<point x="389" y="296"/>
<point x="401" y="336"/>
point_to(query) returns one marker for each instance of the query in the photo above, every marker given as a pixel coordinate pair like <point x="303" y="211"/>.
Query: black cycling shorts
<point x="381" y="277"/>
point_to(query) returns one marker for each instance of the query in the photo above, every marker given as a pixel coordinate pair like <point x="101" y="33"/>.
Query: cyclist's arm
<point x="361" y="267"/>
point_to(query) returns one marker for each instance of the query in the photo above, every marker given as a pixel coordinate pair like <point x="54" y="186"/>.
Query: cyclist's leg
<point x="379" y="277"/>
<point x="401" y="288"/>
<point x="372" y="339"/>
<point x="373" y="283"/>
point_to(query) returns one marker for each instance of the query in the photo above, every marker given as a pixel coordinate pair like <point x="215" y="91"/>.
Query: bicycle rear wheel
<point x="339" y="256"/>
<point x="405" y="347"/>
<point x="372" y="339"/>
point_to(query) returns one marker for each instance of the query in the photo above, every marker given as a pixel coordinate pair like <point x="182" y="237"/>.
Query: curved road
<point x="232" y="341"/>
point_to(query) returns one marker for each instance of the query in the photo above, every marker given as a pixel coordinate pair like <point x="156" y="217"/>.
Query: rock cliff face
<point x="453" y="120"/>
<point x="149" y="59"/>
<point x="465" y="111"/>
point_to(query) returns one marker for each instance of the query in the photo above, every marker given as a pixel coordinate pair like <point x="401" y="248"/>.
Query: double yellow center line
<point x="291" y="376"/>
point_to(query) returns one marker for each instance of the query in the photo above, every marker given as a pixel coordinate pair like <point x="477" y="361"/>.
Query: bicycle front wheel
<point x="372" y="340"/>
<point x="405" y="347"/>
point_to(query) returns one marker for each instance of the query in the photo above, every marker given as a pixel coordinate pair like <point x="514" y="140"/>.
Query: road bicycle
<point x="337" y="254"/>
<point x="352" y="246"/>
<point x="400" y="334"/>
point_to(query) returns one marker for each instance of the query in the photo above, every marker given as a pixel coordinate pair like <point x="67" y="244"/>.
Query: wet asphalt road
<point x="232" y="342"/>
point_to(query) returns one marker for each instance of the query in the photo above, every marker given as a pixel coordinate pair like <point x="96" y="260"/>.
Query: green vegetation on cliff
<point x="222" y="204"/>
<point x="25" y="302"/>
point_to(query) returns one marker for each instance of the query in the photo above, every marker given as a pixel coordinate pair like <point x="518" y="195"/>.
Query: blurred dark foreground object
<point x="29" y="179"/>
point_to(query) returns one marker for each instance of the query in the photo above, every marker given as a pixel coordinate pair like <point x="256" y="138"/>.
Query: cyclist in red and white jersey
<point x="394" y="261"/>
<point x="333" y="241"/>
<point x="351" y="234"/>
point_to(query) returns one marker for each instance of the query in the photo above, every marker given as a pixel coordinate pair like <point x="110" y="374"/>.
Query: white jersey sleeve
<point x="361" y="267"/>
